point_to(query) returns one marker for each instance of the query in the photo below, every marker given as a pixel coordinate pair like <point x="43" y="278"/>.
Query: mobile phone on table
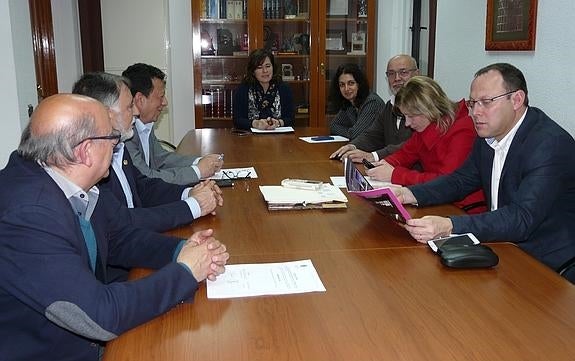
<point x="322" y="137"/>
<point x="224" y="182"/>
<point x="367" y="163"/>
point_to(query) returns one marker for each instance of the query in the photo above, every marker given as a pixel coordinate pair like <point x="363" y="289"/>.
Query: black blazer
<point x="157" y="204"/>
<point x="536" y="205"/>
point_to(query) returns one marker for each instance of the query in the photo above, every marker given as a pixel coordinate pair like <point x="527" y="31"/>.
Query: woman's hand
<point x="267" y="124"/>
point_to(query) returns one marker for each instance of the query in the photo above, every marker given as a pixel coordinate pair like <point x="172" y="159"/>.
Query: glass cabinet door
<point x="347" y="40"/>
<point x="286" y="32"/>
<point x="223" y="57"/>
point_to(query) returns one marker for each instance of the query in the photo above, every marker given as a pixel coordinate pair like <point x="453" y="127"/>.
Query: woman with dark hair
<point x="358" y="106"/>
<point x="262" y="100"/>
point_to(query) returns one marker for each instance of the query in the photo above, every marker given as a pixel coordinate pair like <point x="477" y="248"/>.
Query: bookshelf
<point x="310" y="39"/>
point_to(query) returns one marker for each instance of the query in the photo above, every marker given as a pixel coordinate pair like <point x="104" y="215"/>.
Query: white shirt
<point x="501" y="149"/>
<point x="117" y="159"/>
<point x="144" y="131"/>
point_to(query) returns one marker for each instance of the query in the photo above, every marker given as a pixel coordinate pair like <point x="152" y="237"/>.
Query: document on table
<point x="258" y="279"/>
<point x="235" y="173"/>
<point x="276" y="130"/>
<point x="324" y="139"/>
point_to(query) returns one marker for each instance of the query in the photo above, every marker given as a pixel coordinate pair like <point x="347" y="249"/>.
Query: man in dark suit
<point x="525" y="163"/>
<point x="58" y="232"/>
<point x="153" y="203"/>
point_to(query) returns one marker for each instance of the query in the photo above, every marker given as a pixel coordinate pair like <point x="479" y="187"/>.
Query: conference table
<point x="387" y="297"/>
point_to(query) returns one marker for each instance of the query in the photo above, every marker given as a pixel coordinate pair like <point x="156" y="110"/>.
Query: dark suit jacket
<point x="536" y="205"/>
<point x="383" y="135"/>
<point x="157" y="204"/>
<point x="52" y="307"/>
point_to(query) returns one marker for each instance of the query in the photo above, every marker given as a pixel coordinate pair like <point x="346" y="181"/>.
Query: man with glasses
<point x="153" y="203"/>
<point x="58" y="232"/>
<point x="388" y="130"/>
<point x="524" y="162"/>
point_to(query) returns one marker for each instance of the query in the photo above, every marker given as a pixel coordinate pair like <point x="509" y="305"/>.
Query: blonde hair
<point x="422" y="95"/>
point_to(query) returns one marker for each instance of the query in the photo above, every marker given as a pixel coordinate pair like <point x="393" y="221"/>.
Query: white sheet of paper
<point x="338" y="181"/>
<point x="276" y="130"/>
<point x="247" y="280"/>
<point x="235" y="173"/>
<point x="336" y="138"/>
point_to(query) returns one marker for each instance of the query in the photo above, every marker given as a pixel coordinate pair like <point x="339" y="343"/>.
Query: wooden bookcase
<point x="310" y="39"/>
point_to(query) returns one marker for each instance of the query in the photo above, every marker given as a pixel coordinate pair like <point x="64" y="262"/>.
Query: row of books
<point x="221" y="104"/>
<point x="224" y="9"/>
<point x="280" y="9"/>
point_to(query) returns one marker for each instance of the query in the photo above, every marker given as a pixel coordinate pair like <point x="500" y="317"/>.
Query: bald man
<point x="58" y="232"/>
<point x="388" y="130"/>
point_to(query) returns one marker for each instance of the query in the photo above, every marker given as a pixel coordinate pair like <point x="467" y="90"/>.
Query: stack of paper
<point x="328" y="196"/>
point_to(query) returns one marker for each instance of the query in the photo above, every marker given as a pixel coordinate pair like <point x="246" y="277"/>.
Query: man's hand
<point x="357" y="155"/>
<point x="210" y="164"/>
<point x="204" y="255"/>
<point x="208" y="195"/>
<point x="429" y="227"/>
<point x="404" y="195"/>
<point x="381" y="172"/>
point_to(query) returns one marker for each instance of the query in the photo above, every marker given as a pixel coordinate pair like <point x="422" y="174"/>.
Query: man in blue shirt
<point x="58" y="232"/>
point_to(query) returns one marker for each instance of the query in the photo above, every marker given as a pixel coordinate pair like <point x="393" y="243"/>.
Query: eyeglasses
<point x="401" y="72"/>
<point x="115" y="136"/>
<point x="484" y="103"/>
<point x="240" y="174"/>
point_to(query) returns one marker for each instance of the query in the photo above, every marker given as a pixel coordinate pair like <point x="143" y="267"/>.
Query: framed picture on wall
<point x="511" y="25"/>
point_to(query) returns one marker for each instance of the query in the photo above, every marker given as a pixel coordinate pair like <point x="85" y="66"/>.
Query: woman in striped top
<point x="358" y="106"/>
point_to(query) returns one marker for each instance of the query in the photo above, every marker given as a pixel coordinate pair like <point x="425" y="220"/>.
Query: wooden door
<point x="44" y="51"/>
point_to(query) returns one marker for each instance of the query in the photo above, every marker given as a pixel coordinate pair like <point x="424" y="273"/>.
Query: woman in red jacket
<point x="442" y="139"/>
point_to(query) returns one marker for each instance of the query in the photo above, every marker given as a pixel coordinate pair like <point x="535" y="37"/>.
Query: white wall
<point x="180" y="63"/>
<point x="67" y="43"/>
<point x="135" y="31"/>
<point x="550" y="78"/>
<point x="12" y="100"/>
<point x="393" y="37"/>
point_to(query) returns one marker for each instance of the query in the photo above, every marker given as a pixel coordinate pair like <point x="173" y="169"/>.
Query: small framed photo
<point x="334" y="42"/>
<point x="338" y="8"/>
<point x="357" y="43"/>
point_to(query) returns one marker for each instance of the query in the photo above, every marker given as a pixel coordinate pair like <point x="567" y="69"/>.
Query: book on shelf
<point x="239" y="9"/>
<point x="213" y="9"/>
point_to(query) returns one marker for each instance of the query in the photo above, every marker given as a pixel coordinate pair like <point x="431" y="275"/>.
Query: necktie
<point x="90" y="239"/>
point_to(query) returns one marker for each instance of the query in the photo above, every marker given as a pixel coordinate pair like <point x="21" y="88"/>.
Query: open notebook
<point x="382" y="199"/>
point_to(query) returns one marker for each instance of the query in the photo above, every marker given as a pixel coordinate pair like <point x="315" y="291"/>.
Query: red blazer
<point x="437" y="154"/>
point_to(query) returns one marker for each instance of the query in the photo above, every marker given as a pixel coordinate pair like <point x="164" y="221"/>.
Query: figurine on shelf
<point x="207" y="44"/>
<point x="362" y="8"/>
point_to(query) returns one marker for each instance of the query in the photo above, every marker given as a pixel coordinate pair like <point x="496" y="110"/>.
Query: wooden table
<point x="388" y="298"/>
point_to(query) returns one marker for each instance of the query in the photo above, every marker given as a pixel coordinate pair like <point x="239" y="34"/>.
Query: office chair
<point x="167" y="145"/>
